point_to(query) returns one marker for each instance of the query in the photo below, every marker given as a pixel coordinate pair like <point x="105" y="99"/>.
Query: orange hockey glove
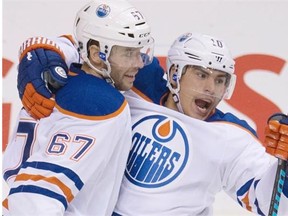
<point x="276" y="136"/>
<point x="35" y="104"/>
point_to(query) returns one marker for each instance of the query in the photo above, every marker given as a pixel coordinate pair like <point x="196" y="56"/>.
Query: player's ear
<point x="94" y="54"/>
<point x="173" y="73"/>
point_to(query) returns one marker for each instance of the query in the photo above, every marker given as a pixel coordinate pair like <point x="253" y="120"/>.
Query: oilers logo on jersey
<point x="159" y="151"/>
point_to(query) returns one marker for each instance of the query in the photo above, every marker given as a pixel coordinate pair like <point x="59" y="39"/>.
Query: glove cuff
<point x="39" y="42"/>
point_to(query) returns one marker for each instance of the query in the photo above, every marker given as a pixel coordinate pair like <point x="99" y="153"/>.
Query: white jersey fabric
<point x="177" y="164"/>
<point x="75" y="162"/>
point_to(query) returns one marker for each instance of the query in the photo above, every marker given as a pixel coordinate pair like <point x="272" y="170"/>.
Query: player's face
<point x="125" y="63"/>
<point x="201" y="90"/>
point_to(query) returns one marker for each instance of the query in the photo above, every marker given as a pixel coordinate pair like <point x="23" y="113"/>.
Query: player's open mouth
<point x="203" y="105"/>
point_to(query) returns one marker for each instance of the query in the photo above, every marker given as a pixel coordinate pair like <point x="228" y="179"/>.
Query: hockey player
<point x="185" y="162"/>
<point x="193" y="51"/>
<point x="77" y="156"/>
<point x="170" y="159"/>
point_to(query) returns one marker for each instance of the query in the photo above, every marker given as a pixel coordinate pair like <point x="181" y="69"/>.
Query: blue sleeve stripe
<point x="259" y="212"/>
<point x="245" y="188"/>
<point x="26" y="128"/>
<point x="39" y="190"/>
<point x="10" y="173"/>
<point x="57" y="169"/>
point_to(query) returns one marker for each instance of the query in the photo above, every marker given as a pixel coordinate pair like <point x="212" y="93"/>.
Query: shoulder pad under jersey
<point x="150" y="83"/>
<point x="229" y="117"/>
<point x="88" y="95"/>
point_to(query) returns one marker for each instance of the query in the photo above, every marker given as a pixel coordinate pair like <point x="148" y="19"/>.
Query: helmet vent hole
<point x="86" y="8"/>
<point x="210" y="63"/>
<point x="192" y="56"/>
<point x="138" y="24"/>
<point x="131" y="35"/>
<point x="77" y="21"/>
<point x="80" y="45"/>
<point x="224" y="66"/>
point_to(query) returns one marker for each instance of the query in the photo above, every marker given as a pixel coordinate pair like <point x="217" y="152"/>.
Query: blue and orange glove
<point x="276" y="136"/>
<point x="41" y="71"/>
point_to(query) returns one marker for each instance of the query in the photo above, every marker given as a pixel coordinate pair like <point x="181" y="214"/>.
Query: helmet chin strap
<point x="104" y="73"/>
<point x="176" y="99"/>
<point x="175" y="96"/>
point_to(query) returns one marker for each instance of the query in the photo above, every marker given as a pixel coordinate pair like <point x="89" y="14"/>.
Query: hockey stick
<point x="278" y="186"/>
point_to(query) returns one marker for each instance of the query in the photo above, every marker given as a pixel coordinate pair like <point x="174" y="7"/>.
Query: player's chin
<point x="198" y="113"/>
<point x="126" y="86"/>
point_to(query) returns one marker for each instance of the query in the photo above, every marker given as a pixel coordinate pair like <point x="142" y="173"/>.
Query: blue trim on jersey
<point x="89" y="95"/>
<point x="27" y="128"/>
<point x="258" y="209"/>
<point x="149" y="80"/>
<point x="39" y="190"/>
<point x="243" y="190"/>
<point x="229" y="117"/>
<point x="10" y="173"/>
<point x="56" y="169"/>
<point x="256" y="201"/>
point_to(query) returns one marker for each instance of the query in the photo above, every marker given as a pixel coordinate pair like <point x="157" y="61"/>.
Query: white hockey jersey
<point x="177" y="165"/>
<point x="76" y="157"/>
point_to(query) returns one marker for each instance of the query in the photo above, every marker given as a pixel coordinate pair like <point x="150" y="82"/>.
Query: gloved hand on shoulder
<point x="41" y="71"/>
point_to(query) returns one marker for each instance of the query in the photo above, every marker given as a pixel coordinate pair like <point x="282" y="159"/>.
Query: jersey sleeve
<point x="79" y="151"/>
<point x="19" y="147"/>
<point x="69" y="48"/>
<point x="249" y="178"/>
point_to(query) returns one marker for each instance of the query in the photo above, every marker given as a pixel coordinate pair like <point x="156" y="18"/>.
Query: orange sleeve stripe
<point x="53" y="180"/>
<point x="245" y="200"/>
<point x="114" y="114"/>
<point x="70" y="38"/>
<point x="5" y="203"/>
<point x="71" y="73"/>
<point x="138" y="92"/>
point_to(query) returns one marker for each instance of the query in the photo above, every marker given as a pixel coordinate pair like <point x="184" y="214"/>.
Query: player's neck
<point x="85" y="67"/>
<point x="169" y="103"/>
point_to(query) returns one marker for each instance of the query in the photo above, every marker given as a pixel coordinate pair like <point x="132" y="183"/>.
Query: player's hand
<point x="276" y="136"/>
<point x="41" y="72"/>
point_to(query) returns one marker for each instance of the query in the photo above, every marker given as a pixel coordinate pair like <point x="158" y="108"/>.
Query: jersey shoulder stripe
<point x="229" y="117"/>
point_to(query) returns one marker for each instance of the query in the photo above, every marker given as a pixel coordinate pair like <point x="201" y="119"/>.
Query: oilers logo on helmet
<point x="103" y="10"/>
<point x="184" y="37"/>
<point x="159" y="152"/>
